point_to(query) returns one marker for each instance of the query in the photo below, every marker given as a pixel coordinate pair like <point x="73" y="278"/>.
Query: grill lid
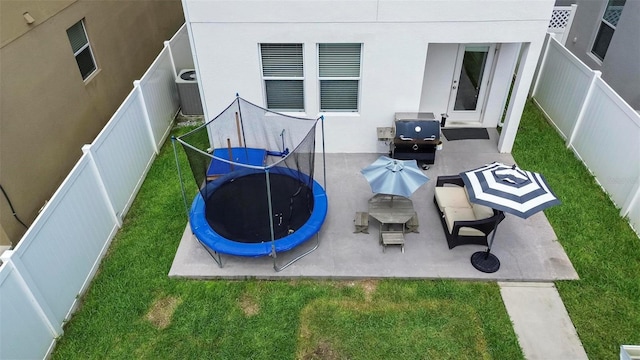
<point x="417" y="131"/>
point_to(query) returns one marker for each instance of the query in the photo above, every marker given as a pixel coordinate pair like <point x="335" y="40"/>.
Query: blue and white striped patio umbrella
<point x="394" y="177"/>
<point x="509" y="188"/>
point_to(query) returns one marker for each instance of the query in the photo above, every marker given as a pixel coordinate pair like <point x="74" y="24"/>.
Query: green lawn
<point x="133" y="310"/>
<point x="605" y="304"/>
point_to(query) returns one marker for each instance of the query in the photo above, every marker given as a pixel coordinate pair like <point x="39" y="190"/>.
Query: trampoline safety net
<point x="254" y="168"/>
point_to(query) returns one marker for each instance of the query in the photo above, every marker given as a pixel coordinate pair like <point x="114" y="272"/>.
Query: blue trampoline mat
<point x="241" y="155"/>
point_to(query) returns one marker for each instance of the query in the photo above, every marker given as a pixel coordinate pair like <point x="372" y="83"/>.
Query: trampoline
<point x="256" y="198"/>
<point x="216" y="221"/>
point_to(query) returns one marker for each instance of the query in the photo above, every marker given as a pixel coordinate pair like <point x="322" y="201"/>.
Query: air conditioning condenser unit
<point x="187" y="83"/>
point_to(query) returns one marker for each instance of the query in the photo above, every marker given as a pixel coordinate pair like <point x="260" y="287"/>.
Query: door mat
<point x="465" y="134"/>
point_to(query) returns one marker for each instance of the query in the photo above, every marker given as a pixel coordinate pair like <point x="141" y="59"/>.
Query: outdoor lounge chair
<point x="463" y="222"/>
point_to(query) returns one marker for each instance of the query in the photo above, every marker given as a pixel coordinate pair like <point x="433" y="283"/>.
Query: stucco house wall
<point x="620" y="66"/>
<point x="407" y="46"/>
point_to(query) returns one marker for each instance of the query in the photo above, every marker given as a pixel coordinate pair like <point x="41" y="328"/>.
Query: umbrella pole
<point x="485" y="261"/>
<point x="493" y="236"/>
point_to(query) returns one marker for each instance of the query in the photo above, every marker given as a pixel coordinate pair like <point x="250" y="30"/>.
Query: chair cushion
<point x="466" y="193"/>
<point x="453" y="214"/>
<point x="481" y="211"/>
<point x="451" y="196"/>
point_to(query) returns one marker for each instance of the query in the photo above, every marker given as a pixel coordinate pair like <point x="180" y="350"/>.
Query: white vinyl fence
<point x="598" y="125"/>
<point x="41" y="280"/>
<point x="180" y="48"/>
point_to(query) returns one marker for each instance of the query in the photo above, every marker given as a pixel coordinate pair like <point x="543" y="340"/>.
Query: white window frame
<point x="266" y="79"/>
<point x="603" y="22"/>
<point x="340" y="78"/>
<point x="82" y="49"/>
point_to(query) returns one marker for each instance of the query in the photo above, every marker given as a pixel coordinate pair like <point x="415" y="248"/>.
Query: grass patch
<point x="604" y="304"/>
<point x="162" y="311"/>
<point x="436" y="329"/>
<point x="396" y="319"/>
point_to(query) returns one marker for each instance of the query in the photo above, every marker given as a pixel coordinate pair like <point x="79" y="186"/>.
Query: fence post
<point x="88" y="150"/>
<point x="137" y="87"/>
<point x="167" y="44"/>
<point x="633" y="199"/>
<point x="595" y="75"/>
<point x="542" y="63"/>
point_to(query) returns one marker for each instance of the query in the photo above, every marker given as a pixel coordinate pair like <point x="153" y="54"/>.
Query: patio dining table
<point x="391" y="211"/>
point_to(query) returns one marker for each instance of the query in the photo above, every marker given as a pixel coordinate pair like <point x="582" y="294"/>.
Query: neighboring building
<point x="605" y="35"/>
<point x="359" y="62"/>
<point x="66" y="66"/>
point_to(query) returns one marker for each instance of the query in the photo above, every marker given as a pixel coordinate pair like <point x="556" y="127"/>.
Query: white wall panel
<point x="606" y="137"/>
<point x="333" y="11"/>
<point x="463" y="10"/>
<point x="122" y="151"/>
<point x="634" y="214"/>
<point x="181" y="50"/>
<point x="61" y="248"/>
<point x="24" y="334"/>
<point x="160" y="95"/>
<point x="562" y="86"/>
<point x="608" y="141"/>
<point x="279" y="11"/>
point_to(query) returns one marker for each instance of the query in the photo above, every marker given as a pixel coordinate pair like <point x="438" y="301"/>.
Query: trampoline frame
<point x="217" y="244"/>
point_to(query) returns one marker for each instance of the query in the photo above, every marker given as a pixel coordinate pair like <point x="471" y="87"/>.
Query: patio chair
<point x="463" y="222"/>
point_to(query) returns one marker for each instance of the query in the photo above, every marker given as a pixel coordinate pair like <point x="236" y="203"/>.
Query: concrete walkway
<point x="541" y="322"/>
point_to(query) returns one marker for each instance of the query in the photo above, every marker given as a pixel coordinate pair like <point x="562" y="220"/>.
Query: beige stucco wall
<point x="4" y="238"/>
<point x="47" y="112"/>
<point x="12" y="20"/>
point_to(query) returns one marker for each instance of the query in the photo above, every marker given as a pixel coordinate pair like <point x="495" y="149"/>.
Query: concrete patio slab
<point x="528" y="249"/>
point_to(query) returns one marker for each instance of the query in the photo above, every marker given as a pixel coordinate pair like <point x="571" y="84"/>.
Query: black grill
<point x="416" y="139"/>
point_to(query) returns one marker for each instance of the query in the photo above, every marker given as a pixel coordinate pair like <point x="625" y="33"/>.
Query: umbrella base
<point x="485" y="261"/>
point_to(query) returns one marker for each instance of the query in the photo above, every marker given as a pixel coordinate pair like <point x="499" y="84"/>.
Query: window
<point x="81" y="49"/>
<point x="607" y="28"/>
<point x="339" y="74"/>
<point x="282" y="72"/>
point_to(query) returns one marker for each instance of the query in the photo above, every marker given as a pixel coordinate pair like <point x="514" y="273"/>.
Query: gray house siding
<point x="620" y="66"/>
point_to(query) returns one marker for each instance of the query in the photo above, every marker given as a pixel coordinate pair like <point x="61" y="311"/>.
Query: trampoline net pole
<point x="244" y="138"/>
<point x="324" y="162"/>
<point x="270" y="206"/>
<point x="184" y="195"/>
